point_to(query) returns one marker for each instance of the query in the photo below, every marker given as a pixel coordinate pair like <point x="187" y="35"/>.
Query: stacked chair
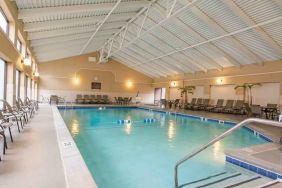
<point x="123" y="100"/>
<point x="190" y="105"/>
<point x="14" y="116"/>
<point x="204" y="105"/>
<point x="92" y="99"/>
<point x="231" y="106"/>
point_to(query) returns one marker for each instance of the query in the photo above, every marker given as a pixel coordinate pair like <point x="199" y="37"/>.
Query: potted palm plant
<point x="248" y="88"/>
<point x="185" y="91"/>
<point x="244" y="87"/>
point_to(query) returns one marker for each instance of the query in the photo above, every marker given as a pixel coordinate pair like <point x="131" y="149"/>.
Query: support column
<point x="22" y="86"/>
<point x="207" y="91"/>
<point x="11" y="83"/>
<point x="36" y="91"/>
<point x="280" y="94"/>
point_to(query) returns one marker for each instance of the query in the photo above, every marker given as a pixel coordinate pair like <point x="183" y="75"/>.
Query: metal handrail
<point x="223" y="135"/>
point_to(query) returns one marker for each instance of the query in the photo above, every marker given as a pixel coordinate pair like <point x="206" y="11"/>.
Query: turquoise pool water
<point x="143" y="155"/>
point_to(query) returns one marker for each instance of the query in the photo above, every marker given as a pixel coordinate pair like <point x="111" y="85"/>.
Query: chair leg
<point x="26" y="117"/>
<point x="12" y="140"/>
<point x="31" y="113"/>
<point x="21" y="122"/>
<point x="5" y="144"/>
<point x="18" y="125"/>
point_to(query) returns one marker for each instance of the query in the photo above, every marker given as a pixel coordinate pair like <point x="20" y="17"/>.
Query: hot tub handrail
<point x="223" y="135"/>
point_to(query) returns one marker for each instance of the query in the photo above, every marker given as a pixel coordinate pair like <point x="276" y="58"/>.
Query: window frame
<point x="25" y="85"/>
<point x="5" y="80"/>
<point x="18" y="86"/>
<point x="21" y="45"/>
<point x="8" y="23"/>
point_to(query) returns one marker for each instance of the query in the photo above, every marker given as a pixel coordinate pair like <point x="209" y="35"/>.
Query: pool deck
<point x="43" y="155"/>
<point x="266" y="156"/>
<point x="33" y="160"/>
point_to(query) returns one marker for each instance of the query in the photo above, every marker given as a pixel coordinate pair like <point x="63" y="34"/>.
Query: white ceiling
<point x="157" y="37"/>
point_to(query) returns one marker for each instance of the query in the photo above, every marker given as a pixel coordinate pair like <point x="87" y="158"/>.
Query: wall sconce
<point x="36" y="74"/>
<point x="27" y="61"/>
<point x="219" y="81"/>
<point x="129" y="84"/>
<point x="76" y="80"/>
<point x="173" y="84"/>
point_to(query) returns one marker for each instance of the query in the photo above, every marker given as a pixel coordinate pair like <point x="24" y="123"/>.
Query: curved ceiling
<point x="157" y="37"/>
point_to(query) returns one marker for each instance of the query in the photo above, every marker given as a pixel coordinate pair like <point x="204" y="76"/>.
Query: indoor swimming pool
<point x="133" y="147"/>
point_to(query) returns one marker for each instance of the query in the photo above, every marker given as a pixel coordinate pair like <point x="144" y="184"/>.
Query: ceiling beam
<point x="162" y="63"/>
<point x="198" y="65"/>
<point x="75" y="25"/>
<point x="136" y="55"/>
<point x="220" y="30"/>
<point x="183" y="8"/>
<point x="245" y="18"/>
<point x="45" y="25"/>
<point x="211" y="61"/>
<point x="48" y="34"/>
<point x="100" y="25"/>
<point x="47" y="11"/>
<point x="60" y="39"/>
<point x="57" y="55"/>
<point x="155" y="46"/>
<point x="199" y="37"/>
<point x="144" y="10"/>
<point x="219" y="37"/>
<point x="279" y="3"/>
<point x="130" y="59"/>
<point x="125" y="61"/>
<point x="52" y="47"/>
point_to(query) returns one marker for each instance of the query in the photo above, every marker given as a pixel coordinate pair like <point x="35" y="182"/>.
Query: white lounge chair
<point x="1" y="147"/>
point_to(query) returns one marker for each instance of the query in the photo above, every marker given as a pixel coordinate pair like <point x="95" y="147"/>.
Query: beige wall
<point x="8" y="51"/>
<point x="270" y="72"/>
<point x="57" y="77"/>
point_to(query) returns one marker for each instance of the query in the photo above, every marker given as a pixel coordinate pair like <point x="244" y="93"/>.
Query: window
<point x="23" y="51"/>
<point x="19" y="46"/>
<point x="25" y="86"/>
<point x="4" y="24"/>
<point x="35" y="91"/>
<point x="18" y="83"/>
<point x="2" y="81"/>
<point x="30" y="89"/>
<point x="28" y="93"/>
<point x="33" y="67"/>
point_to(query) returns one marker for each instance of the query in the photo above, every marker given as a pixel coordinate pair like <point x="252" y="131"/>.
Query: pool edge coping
<point x="76" y="171"/>
<point x="259" y="169"/>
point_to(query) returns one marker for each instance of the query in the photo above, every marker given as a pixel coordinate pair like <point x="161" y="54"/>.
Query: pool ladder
<point x="218" y="138"/>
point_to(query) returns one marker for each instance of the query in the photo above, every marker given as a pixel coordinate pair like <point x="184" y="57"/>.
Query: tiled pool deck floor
<point x="34" y="159"/>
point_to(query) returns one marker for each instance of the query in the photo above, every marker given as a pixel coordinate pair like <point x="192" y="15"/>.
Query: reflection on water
<point x="171" y="130"/>
<point x="128" y="128"/>
<point x="75" y="127"/>
<point x="217" y="152"/>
